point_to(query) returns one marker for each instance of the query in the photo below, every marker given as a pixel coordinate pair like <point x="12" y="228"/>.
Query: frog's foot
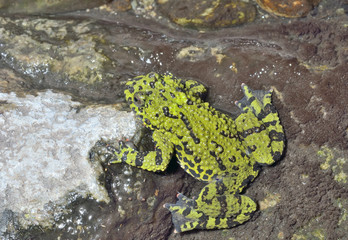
<point x="258" y="101"/>
<point x="180" y="210"/>
<point x="223" y="211"/>
<point x="182" y="201"/>
<point x="267" y="144"/>
<point x="123" y="146"/>
<point x="156" y="160"/>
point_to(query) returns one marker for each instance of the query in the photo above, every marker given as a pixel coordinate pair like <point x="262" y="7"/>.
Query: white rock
<point x="44" y="144"/>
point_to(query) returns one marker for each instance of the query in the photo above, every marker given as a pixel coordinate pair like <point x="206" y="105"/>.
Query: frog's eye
<point x="139" y="99"/>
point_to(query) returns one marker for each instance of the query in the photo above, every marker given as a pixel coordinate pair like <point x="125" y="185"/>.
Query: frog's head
<point x="156" y="99"/>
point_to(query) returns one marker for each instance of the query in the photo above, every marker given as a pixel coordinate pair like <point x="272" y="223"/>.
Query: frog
<point x="225" y="152"/>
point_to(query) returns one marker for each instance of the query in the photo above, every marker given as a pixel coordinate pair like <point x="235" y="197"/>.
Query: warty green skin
<point x="209" y="145"/>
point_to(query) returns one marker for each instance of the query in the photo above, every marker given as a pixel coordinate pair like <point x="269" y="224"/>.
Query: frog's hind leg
<point x="216" y="207"/>
<point x="269" y="137"/>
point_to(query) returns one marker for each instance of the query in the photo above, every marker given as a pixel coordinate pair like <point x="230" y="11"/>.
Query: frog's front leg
<point x="218" y="206"/>
<point x="151" y="160"/>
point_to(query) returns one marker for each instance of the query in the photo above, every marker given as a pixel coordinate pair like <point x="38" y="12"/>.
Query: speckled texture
<point x="303" y="60"/>
<point x="209" y="145"/>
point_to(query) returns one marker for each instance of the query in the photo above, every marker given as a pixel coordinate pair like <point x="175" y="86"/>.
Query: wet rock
<point x="45" y="140"/>
<point x="45" y="7"/>
<point x="304" y="61"/>
<point x="286" y="8"/>
<point x="138" y="196"/>
<point x="69" y="55"/>
<point x="335" y="160"/>
<point x="78" y="59"/>
<point x="299" y="184"/>
<point x="145" y="8"/>
<point x="123" y="5"/>
<point x="208" y="14"/>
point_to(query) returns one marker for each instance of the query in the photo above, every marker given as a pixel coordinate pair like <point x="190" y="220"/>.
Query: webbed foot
<point x="258" y="101"/>
<point x="183" y="216"/>
<point x="260" y="126"/>
<point x="224" y="211"/>
<point x="123" y="145"/>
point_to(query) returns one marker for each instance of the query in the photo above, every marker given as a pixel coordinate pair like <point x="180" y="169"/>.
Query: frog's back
<point x="210" y="146"/>
<point x="207" y="143"/>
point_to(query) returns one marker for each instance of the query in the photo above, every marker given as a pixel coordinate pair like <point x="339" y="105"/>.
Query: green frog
<point x="211" y="146"/>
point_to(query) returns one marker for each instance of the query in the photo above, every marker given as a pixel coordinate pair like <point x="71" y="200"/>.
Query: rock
<point x="44" y="143"/>
<point x="75" y="59"/>
<point x="46" y="7"/>
<point x="67" y="55"/>
<point x="122" y="5"/>
<point x="304" y="61"/>
<point x="208" y="14"/>
<point x="286" y="8"/>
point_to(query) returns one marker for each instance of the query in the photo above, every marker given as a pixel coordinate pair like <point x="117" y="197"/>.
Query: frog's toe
<point x="182" y="199"/>
<point x="117" y="151"/>
<point x="113" y="152"/>
<point x="182" y="202"/>
<point x="254" y="100"/>
<point x="184" y="217"/>
<point x="116" y="160"/>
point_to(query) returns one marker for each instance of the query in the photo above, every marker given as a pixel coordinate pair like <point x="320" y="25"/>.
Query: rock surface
<point x="89" y="55"/>
<point x="45" y="140"/>
<point x="208" y="14"/>
<point x="46" y="7"/>
<point x="291" y="9"/>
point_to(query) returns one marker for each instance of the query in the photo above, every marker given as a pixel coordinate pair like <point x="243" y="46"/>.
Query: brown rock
<point x="290" y="9"/>
<point x="208" y="14"/>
